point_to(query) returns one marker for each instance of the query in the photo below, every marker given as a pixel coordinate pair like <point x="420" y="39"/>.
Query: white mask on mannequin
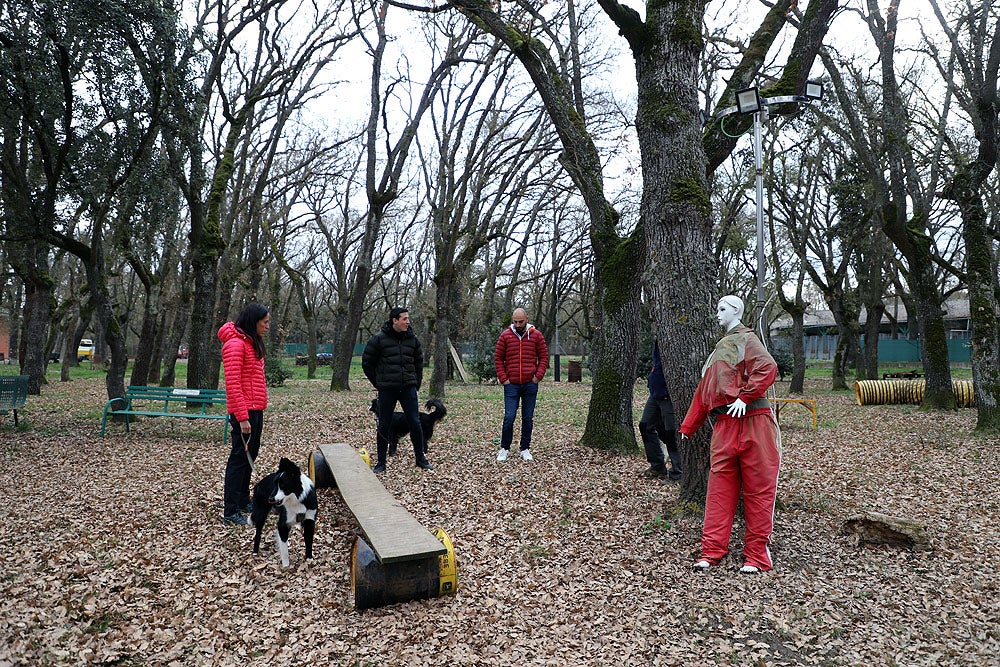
<point x="729" y="311"/>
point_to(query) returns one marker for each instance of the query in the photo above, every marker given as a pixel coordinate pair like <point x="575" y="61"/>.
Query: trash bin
<point x="575" y="371"/>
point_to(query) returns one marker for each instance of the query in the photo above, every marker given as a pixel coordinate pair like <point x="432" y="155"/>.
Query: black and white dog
<point x="292" y="496"/>
<point x="399" y="427"/>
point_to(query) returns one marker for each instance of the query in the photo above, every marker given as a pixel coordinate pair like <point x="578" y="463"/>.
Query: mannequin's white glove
<point x="737" y="408"/>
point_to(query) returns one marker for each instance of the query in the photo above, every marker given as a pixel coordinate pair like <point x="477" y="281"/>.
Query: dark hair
<point x="247" y="323"/>
<point x="397" y="312"/>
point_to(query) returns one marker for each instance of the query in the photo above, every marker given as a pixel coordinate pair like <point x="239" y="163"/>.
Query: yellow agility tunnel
<point x="889" y="392"/>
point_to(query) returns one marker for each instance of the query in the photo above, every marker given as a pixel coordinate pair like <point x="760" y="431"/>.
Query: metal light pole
<point x="555" y="294"/>
<point x="749" y="101"/>
<point x="758" y="161"/>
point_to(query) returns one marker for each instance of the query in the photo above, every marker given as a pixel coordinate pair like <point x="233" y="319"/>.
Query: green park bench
<point x="168" y="402"/>
<point x="13" y="394"/>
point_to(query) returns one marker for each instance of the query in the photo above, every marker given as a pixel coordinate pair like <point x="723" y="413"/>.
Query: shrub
<point x="275" y="374"/>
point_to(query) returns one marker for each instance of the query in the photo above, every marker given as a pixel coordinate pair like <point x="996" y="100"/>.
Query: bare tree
<point x="248" y="54"/>
<point x="382" y="189"/>
<point x="488" y="157"/>
<point x="903" y="198"/>
<point x="70" y="146"/>
<point x="973" y="38"/>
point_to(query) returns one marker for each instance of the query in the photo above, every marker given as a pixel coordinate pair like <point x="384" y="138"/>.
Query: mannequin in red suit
<point x="745" y="448"/>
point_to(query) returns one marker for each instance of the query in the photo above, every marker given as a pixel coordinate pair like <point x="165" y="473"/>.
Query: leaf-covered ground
<point x="113" y="552"/>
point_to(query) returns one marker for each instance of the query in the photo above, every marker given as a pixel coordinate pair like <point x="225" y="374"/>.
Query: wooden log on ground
<point x="876" y="528"/>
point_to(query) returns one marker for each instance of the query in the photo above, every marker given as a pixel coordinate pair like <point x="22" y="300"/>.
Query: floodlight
<point x="814" y="90"/>
<point x="748" y="100"/>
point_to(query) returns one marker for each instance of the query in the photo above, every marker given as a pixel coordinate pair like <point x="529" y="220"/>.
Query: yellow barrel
<point x="965" y="395"/>
<point x="319" y="471"/>
<point x="890" y="392"/>
<point x="376" y="584"/>
<point x="447" y="566"/>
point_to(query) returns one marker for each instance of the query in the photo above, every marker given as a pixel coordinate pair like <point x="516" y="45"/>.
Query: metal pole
<point x="758" y="159"/>
<point x="555" y="296"/>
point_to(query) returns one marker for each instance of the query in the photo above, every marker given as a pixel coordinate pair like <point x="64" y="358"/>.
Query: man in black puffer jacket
<point x="393" y="362"/>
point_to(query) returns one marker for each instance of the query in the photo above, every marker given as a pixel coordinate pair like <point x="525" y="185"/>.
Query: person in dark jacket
<point x="657" y="424"/>
<point x="520" y="358"/>
<point x="393" y="361"/>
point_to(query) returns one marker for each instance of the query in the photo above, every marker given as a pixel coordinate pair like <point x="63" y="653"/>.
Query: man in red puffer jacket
<point x="521" y="358"/>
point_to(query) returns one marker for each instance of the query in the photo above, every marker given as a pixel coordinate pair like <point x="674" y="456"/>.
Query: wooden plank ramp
<point x="394" y="534"/>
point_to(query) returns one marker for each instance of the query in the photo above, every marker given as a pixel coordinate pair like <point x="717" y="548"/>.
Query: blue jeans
<point x="526" y="394"/>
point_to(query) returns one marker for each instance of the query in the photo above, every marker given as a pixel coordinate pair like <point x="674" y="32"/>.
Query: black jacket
<point x="655" y="381"/>
<point x="393" y="360"/>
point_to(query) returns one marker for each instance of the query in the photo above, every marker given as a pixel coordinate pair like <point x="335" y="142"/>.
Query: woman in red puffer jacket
<point x="246" y="399"/>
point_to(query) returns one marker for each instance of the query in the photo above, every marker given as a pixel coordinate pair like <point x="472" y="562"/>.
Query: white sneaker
<point x="502" y="455"/>
<point x="526" y="455"/>
<point x="749" y="569"/>
<point x="702" y="565"/>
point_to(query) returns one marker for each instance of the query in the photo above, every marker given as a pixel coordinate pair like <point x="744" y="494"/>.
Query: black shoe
<point x="654" y="471"/>
<point x="379" y="468"/>
<point x="236" y="520"/>
<point x="675" y="474"/>
<point x="424" y="464"/>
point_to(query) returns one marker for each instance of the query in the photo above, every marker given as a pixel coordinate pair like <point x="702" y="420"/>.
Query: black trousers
<point x="236" y="492"/>
<point x="657" y="425"/>
<point x="407" y="399"/>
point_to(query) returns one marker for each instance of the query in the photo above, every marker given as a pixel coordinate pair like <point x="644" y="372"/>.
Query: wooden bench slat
<point x="394" y="534"/>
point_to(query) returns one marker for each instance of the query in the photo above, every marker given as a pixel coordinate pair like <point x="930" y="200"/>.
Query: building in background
<point x="820" y="333"/>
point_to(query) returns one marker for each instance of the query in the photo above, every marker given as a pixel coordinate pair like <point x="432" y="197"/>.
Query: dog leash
<point x="246" y="450"/>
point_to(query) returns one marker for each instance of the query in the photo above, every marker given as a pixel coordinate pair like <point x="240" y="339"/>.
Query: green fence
<point x="908" y="351"/>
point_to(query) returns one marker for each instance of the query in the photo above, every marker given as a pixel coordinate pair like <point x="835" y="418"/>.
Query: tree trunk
<point x="616" y="348"/>
<point x="442" y="333"/>
<point x="984" y="308"/>
<point x="144" y="355"/>
<point x="175" y="334"/>
<point x="67" y="352"/>
<point x="934" y="341"/>
<point x="873" y="321"/>
<point x="347" y="326"/>
<point x="37" y="300"/>
<point x="844" y="308"/>
<point x="676" y="213"/>
<point x="796" y="386"/>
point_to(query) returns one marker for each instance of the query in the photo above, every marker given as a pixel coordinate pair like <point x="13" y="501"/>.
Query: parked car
<point x="86" y="350"/>
<point x="182" y="352"/>
<point x="322" y="359"/>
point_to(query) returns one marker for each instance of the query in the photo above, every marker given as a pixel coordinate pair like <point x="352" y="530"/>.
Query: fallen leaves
<point x="113" y="551"/>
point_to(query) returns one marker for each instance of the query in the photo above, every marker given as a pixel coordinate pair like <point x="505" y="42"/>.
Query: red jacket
<point x="521" y="358"/>
<point x="740" y="367"/>
<point x="246" y="388"/>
